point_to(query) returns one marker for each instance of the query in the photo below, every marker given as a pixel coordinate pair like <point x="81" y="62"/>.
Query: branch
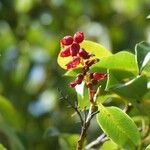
<point x="75" y="107"/>
<point x="96" y="142"/>
<point x="87" y="121"/>
<point x="85" y="126"/>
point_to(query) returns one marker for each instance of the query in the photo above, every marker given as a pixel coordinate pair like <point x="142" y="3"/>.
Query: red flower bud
<point x="67" y="40"/>
<point x="73" y="63"/>
<point x="84" y="54"/>
<point x="78" y="37"/>
<point x="73" y="84"/>
<point x="99" y="76"/>
<point x="65" y="52"/>
<point x="74" y="49"/>
<point x="91" y="62"/>
<point x="80" y="77"/>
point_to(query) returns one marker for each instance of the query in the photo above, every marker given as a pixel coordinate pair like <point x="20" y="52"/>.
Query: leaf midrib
<point x="117" y="125"/>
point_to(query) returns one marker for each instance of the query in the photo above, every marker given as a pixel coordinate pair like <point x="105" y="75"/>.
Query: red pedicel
<point x="84" y="54"/>
<point x="89" y="85"/>
<point x="85" y="69"/>
<point x="91" y="75"/>
<point x="67" y="40"/>
<point x="74" y="49"/>
<point x="78" y="37"/>
<point x="65" y="52"/>
<point x="99" y="76"/>
<point x="92" y="93"/>
<point x="73" y="63"/>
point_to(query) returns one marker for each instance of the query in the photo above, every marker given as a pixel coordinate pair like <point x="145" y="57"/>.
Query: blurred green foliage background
<point x="31" y="115"/>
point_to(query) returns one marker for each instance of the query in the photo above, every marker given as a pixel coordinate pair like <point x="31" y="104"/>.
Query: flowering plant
<point x="122" y="78"/>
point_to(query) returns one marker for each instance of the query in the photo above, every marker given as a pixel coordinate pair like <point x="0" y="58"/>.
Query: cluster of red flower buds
<point x="71" y="45"/>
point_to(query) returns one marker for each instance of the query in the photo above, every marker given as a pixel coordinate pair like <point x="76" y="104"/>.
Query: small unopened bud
<point x="67" y="40"/>
<point x="74" y="49"/>
<point x="65" y="52"/>
<point x="78" y="37"/>
<point x="84" y="54"/>
<point x="73" y="63"/>
<point x="99" y="76"/>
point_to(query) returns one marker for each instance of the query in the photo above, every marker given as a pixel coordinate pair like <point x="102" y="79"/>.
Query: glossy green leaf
<point x="134" y="89"/>
<point x="95" y="48"/>
<point x="119" y="127"/>
<point x="112" y="80"/>
<point x="146" y="70"/>
<point x="108" y="96"/>
<point x="142" y="51"/>
<point x="123" y="63"/>
<point x="148" y="147"/>
<point x="89" y="46"/>
<point x="109" y="145"/>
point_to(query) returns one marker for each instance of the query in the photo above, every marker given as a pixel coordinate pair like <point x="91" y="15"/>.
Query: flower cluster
<point x="71" y="45"/>
<point x="72" y="48"/>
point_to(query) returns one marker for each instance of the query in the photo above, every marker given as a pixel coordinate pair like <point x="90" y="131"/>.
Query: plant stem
<point x="85" y="127"/>
<point x="99" y="140"/>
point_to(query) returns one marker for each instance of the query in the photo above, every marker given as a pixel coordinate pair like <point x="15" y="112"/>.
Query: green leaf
<point x="148" y="147"/>
<point x="123" y="63"/>
<point x="142" y="51"/>
<point x="89" y="46"/>
<point x="134" y="89"/>
<point x="97" y="49"/>
<point x="74" y="72"/>
<point x="2" y="147"/>
<point x="8" y="113"/>
<point x="111" y="80"/>
<point x="119" y="127"/>
<point x="68" y="141"/>
<point x="109" y="145"/>
<point x="146" y="70"/>
<point x="148" y="17"/>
